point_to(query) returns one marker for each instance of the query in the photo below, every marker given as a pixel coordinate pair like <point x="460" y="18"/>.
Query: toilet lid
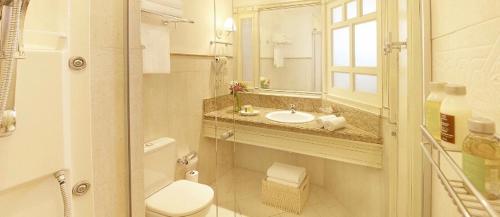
<point x="181" y="198"/>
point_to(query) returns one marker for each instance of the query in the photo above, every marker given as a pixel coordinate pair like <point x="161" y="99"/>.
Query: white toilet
<point x="164" y="196"/>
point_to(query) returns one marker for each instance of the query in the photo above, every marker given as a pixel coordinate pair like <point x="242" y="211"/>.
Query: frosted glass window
<point x="369" y="6"/>
<point x="365" y="83"/>
<point x="365" y="44"/>
<point x="341" y="80"/>
<point x="341" y="47"/>
<point x="352" y="9"/>
<point x="246" y="49"/>
<point x="337" y="14"/>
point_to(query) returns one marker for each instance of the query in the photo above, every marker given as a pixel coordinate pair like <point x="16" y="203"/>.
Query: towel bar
<point x="168" y="18"/>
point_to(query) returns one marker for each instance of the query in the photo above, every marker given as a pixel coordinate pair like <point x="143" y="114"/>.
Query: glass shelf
<point x="469" y="201"/>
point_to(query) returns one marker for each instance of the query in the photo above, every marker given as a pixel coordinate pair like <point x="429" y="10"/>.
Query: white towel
<point x="287" y="172"/>
<point x="278" y="57"/>
<point x="335" y="124"/>
<point x="155" y="38"/>
<point x="321" y="120"/>
<point x="169" y="3"/>
<point x="150" y="6"/>
<point x="282" y="182"/>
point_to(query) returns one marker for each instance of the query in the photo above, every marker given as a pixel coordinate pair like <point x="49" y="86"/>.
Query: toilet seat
<point x="180" y="198"/>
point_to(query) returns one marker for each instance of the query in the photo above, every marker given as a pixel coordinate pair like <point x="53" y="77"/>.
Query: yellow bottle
<point x="432" y="109"/>
<point x="455" y="111"/>
<point x="481" y="157"/>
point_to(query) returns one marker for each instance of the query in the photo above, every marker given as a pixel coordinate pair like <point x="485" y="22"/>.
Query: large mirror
<point x="279" y="45"/>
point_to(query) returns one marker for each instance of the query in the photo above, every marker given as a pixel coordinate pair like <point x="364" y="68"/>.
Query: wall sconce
<point x="228" y="28"/>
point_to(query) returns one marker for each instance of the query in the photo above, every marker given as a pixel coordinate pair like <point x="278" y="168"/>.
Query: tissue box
<point x="284" y="197"/>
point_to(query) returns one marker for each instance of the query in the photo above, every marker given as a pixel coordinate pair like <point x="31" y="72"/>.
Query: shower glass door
<point x="244" y="73"/>
<point x="227" y="101"/>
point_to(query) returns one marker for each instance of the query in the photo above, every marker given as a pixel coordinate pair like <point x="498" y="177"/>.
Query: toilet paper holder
<point x="186" y="158"/>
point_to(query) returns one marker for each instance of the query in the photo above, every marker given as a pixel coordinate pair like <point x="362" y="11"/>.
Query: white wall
<point x="173" y="103"/>
<point x="466" y="50"/>
<point x="53" y="110"/>
<point x="195" y="38"/>
<point x="296" y="25"/>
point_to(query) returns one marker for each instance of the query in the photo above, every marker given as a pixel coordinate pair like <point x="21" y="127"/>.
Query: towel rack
<point x="221" y="42"/>
<point x="467" y="198"/>
<point x="168" y="18"/>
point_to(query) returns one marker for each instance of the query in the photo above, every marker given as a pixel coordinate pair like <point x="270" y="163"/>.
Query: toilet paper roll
<point x="192" y="175"/>
<point x="192" y="164"/>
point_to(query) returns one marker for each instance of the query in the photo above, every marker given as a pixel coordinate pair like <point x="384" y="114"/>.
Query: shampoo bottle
<point x="455" y="111"/>
<point x="432" y="109"/>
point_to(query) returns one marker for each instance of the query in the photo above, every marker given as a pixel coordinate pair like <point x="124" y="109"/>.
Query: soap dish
<point x="254" y="113"/>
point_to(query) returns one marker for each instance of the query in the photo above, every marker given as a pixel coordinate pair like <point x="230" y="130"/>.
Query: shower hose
<point x="9" y="50"/>
<point x="65" y="192"/>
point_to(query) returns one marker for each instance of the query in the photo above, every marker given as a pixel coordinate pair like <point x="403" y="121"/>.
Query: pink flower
<point x="237" y="87"/>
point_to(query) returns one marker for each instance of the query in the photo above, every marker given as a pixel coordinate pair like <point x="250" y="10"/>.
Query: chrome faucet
<point x="292" y="108"/>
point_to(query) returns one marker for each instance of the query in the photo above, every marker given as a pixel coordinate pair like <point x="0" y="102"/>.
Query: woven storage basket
<point x="284" y="197"/>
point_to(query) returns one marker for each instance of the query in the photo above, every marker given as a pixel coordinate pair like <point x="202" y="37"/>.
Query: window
<point x="341" y="80"/>
<point x="352" y="10"/>
<point x="365" y="44"/>
<point x="246" y="39"/>
<point x="354" y="51"/>
<point x="340" y="47"/>
<point x="337" y="14"/>
<point x="246" y="49"/>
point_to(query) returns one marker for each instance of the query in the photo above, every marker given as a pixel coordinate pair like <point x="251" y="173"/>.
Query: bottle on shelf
<point x="432" y="109"/>
<point x="454" y="113"/>
<point x="481" y="157"/>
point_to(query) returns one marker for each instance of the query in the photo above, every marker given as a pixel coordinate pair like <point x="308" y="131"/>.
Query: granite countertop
<point x="350" y="132"/>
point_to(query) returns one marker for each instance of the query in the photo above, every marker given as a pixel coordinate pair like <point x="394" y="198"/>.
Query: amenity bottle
<point x="432" y="109"/>
<point x="481" y="157"/>
<point x="455" y="111"/>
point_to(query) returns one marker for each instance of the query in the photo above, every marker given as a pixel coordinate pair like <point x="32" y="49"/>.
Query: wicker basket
<point x="284" y="197"/>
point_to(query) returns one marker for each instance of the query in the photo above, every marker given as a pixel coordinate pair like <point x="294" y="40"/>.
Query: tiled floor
<point x="238" y="195"/>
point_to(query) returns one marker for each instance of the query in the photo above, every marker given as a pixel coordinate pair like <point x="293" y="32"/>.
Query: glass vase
<point x="237" y="103"/>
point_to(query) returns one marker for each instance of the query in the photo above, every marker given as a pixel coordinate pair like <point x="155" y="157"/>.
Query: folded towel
<point x="282" y="182"/>
<point x="335" y="124"/>
<point x="321" y="120"/>
<point x="287" y="173"/>
<point x="155" y="38"/>
<point x="154" y="7"/>
<point x="169" y="3"/>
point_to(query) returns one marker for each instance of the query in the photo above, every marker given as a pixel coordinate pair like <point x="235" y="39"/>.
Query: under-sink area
<point x="238" y="194"/>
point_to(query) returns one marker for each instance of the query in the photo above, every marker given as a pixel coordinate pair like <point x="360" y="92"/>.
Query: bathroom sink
<point x="290" y="117"/>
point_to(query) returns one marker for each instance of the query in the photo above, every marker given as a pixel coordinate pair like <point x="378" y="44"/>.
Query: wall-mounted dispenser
<point x="12" y="16"/>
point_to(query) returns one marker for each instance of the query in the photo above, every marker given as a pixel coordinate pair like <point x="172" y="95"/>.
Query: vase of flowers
<point x="237" y="87"/>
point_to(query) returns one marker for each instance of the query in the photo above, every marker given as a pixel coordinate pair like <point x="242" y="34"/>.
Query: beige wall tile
<point x="451" y="15"/>
<point x="173" y="103"/>
<point x="465" y="49"/>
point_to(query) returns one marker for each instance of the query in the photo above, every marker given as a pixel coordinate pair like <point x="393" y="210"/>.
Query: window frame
<point x="369" y="101"/>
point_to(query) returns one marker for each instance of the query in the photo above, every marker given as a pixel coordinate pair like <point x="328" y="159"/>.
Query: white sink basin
<point x="289" y="117"/>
